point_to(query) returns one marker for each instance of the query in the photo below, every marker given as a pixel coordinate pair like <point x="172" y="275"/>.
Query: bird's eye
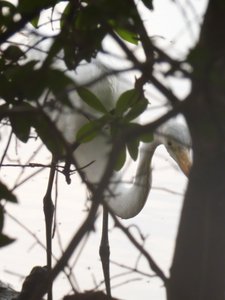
<point x="169" y="143"/>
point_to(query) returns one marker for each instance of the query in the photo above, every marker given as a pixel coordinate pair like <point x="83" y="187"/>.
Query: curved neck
<point x="127" y="203"/>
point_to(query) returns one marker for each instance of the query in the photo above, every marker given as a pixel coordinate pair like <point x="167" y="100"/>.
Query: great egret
<point x="124" y="202"/>
<point x="127" y="203"/>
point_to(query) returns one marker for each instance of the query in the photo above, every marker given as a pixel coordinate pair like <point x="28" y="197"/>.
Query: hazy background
<point x="174" y="25"/>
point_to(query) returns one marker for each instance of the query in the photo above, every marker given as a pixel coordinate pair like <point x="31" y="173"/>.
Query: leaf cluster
<point x="88" y="24"/>
<point x="129" y="106"/>
<point x="83" y="26"/>
<point x="22" y="85"/>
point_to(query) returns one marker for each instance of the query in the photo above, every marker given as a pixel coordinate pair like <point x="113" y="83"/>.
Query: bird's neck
<point x="127" y="203"/>
<point x="143" y="172"/>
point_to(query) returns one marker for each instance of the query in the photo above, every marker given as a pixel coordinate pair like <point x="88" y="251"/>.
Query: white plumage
<point x="125" y="202"/>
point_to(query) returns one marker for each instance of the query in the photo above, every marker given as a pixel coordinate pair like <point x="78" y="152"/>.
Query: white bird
<point x="175" y="137"/>
<point x="125" y="202"/>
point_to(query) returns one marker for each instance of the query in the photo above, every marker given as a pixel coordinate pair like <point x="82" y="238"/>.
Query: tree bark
<point x="198" y="267"/>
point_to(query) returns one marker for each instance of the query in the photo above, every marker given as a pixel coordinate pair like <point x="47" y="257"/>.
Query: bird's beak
<point x="184" y="160"/>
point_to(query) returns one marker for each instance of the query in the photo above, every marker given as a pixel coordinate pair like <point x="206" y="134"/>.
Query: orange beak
<point x="184" y="160"/>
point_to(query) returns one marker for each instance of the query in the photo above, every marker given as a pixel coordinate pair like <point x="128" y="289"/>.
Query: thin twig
<point x="133" y="270"/>
<point x="7" y="147"/>
<point x="150" y="260"/>
<point x="39" y="242"/>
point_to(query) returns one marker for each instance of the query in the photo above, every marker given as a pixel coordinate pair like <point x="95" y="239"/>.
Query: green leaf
<point x="48" y="136"/>
<point x="146" y="137"/>
<point x="121" y="159"/>
<point x="69" y="56"/>
<point x="35" y="21"/>
<point x="90" y="130"/>
<point x="88" y="18"/>
<point x="139" y="107"/>
<point x="133" y="149"/>
<point x="6" y="194"/>
<point x="58" y="82"/>
<point x="87" y="132"/>
<point x="13" y="53"/>
<point x="29" y="7"/>
<point x="128" y="36"/>
<point x="20" y="126"/>
<point x="21" y="122"/>
<point x="27" y="82"/>
<point x="7" y="90"/>
<point x="85" y="44"/>
<point x="126" y="101"/>
<point x="65" y="14"/>
<point x="5" y="240"/>
<point x="91" y="100"/>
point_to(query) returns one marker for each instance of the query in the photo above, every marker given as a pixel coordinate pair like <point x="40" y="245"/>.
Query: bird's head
<point x="176" y="139"/>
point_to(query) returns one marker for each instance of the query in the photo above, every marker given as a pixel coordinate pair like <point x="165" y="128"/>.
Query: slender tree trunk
<point x="198" y="268"/>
